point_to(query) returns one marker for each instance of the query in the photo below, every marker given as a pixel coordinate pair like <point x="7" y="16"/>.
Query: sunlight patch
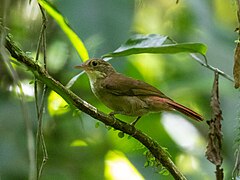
<point x="56" y="104"/>
<point x="26" y="88"/>
<point x="183" y="132"/>
<point x="79" y="143"/>
<point x="187" y="163"/>
<point x="118" y="167"/>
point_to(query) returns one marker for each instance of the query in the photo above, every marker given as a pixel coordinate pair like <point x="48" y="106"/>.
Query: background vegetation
<point x="77" y="149"/>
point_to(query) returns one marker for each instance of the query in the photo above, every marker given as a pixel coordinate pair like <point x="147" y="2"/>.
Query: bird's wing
<point x="121" y="85"/>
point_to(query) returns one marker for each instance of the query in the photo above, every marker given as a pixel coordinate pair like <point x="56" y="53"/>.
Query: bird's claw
<point x="112" y="115"/>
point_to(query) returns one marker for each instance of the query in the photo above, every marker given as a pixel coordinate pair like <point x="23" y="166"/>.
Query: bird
<point x="126" y="95"/>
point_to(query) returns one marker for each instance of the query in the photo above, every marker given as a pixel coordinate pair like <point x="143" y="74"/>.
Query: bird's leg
<point x="119" y="112"/>
<point x="112" y="115"/>
<point x="135" y="121"/>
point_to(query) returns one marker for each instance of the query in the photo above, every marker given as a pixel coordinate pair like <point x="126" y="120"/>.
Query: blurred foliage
<point x="77" y="147"/>
<point x="72" y="36"/>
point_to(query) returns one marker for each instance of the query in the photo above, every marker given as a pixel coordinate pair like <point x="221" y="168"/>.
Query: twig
<point x="73" y="100"/>
<point x="205" y="64"/>
<point x="40" y="136"/>
<point x="236" y="172"/>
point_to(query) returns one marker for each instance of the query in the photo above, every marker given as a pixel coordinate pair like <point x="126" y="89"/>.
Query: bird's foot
<point x="112" y="115"/>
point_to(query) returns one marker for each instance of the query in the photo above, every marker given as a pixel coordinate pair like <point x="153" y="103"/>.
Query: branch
<point x="40" y="107"/>
<point x="205" y="64"/>
<point x="73" y="100"/>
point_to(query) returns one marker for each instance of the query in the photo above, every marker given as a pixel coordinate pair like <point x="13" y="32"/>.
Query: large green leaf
<point x="155" y="43"/>
<point x="76" y="41"/>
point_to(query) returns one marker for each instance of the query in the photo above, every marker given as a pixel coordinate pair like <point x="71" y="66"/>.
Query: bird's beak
<point x="81" y="66"/>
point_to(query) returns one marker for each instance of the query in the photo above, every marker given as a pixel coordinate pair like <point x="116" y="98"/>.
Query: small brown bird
<point x="128" y="96"/>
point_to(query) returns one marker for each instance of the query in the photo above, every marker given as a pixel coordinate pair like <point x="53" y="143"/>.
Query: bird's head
<point x="96" y="68"/>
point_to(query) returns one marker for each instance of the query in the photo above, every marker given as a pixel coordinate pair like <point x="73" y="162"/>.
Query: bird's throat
<point x="94" y="78"/>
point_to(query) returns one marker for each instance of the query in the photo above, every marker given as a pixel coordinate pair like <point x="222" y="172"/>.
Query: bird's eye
<point x="94" y="63"/>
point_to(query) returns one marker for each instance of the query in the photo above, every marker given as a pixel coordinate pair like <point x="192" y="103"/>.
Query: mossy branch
<point x="41" y="74"/>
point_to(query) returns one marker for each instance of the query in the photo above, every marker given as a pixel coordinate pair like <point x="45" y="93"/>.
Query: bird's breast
<point x="128" y="105"/>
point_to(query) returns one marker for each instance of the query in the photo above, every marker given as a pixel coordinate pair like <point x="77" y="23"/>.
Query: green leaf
<point x="164" y="172"/>
<point x="120" y="134"/>
<point x="146" y="164"/>
<point x="76" y="112"/>
<point x="32" y="82"/>
<point x="108" y="127"/>
<point x="97" y="124"/>
<point x="75" y="40"/>
<point x="156" y="44"/>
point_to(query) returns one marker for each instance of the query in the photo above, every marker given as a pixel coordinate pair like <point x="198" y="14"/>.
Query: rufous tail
<point x="188" y="112"/>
